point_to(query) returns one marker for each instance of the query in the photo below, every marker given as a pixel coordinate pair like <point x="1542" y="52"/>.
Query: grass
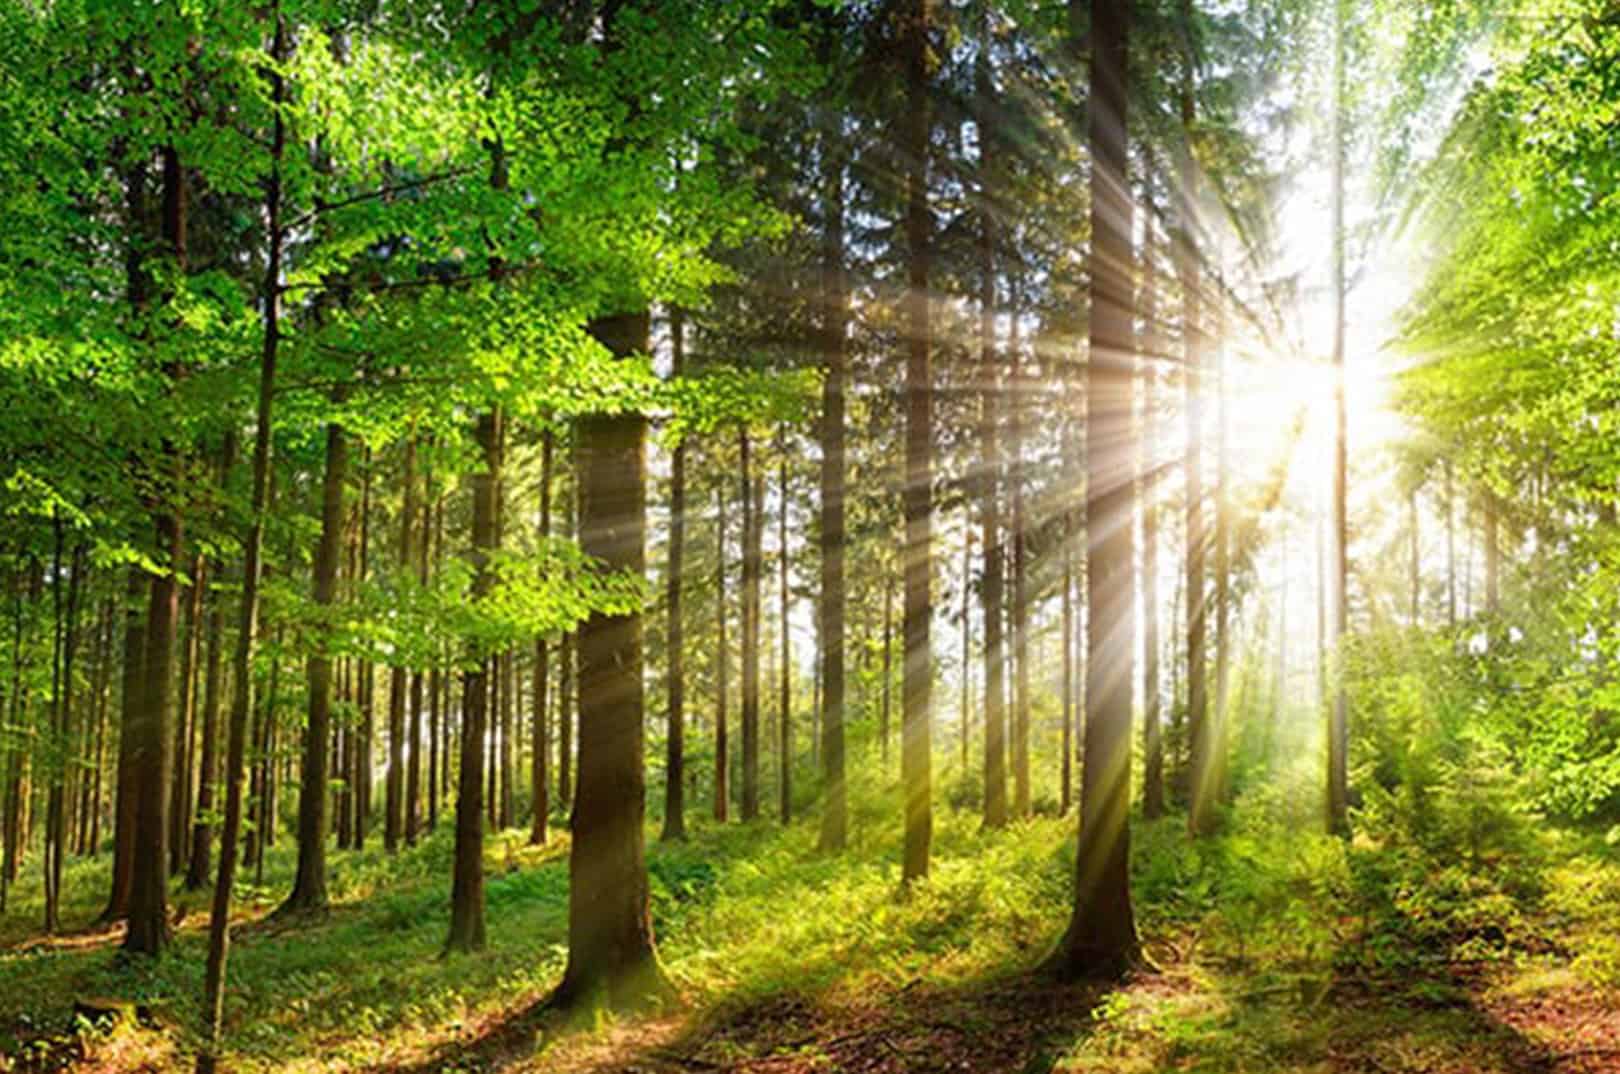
<point x="1276" y="950"/>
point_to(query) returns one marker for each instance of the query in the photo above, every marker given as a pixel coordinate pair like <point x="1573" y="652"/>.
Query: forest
<point x="794" y="536"/>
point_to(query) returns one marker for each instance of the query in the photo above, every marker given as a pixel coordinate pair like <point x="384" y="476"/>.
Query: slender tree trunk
<point x="248" y="622"/>
<point x="785" y="686"/>
<point x="1451" y="546"/>
<point x="916" y="737"/>
<point x="1020" y="573"/>
<point x="540" y="782"/>
<point x="1152" y="434"/>
<point x="467" y="931"/>
<point x="201" y="833"/>
<point x="1338" y="790"/>
<point x="610" y="935"/>
<point x="674" y="582"/>
<point x="185" y="709"/>
<point x="722" y="759"/>
<point x="399" y="677"/>
<point x="991" y="463"/>
<point x="835" y="330"/>
<point x="1100" y="940"/>
<point x="1200" y="734"/>
<point x="751" y="583"/>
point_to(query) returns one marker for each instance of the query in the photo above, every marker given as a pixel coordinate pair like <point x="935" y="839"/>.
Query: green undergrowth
<point x="1266" y="936"/>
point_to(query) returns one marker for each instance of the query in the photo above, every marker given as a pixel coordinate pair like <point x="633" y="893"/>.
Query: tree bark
<point x="1100" y="940"/>
<point x="467" y="931"/>
<point x="309" y="885"/>
<point x="610" y="935"/>
<point x="835" y="330"/>
<point x="916" y="736"/>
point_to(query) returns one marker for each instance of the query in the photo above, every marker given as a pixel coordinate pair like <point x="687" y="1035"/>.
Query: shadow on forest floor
<point x="1463" y="1021"/>
<point x="1016" y="1024"/>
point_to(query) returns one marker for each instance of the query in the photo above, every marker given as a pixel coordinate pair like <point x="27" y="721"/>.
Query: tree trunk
<point x="1100" y="940"/>
<point x="991" y="463"/>
<point x="540" y="782"/>
<point x="399" y="677"/>
<point x="148" y="926"/>
<point x="753" y="532"/>
<point x="610" y="936"/>
<point x="1200" y="812"/>
<point x="309" y="885"/>
<point x="1338" y="790"/>
<point x="248" y="612"/>
<point x="916" y="736"/>
<point x="467" y="879"/>
<point x="785" y="686"/>
<point x="722" y="758"/>
<point x="674" y="582"/>
<point x="185" y="712"/>
<point x="198" y="867"/>
<point x="835" y="330"/>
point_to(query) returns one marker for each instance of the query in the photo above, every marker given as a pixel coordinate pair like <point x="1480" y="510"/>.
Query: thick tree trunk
<point x="610" y="937"/>
<point x="309" y="885"/>
<point x="148" y="926"/>
<point x="1100" y="940"/>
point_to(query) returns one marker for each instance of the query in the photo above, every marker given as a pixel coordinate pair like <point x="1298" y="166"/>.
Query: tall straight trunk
<point x="722" y="758"/>
<point x="1019" y="568"/>
<point x="413" y="770"/>
<point x="364" y="735"/>
<point x="991" y="463"/>
<point x="835" y="330"/>
<point x="539" y="770"/>
<point x="505" y="663"/>
<point x="1153" y="346"/>
<point x="56" y="840"/>
<point x="1338" y="788"/>
<point x="184" y="728"/>
<point x="610" y="933"/>
<point x="248" y="611"/>
<point x="438" y="709"/>
<point x="1066" y="767"/>
<point x="965" y="696"/>
<point x="90" y="790"/>
<point x="567" y="696"/>
<point x="674" y="583"/>
<point x="916" y="736"/>
<point x="309" y="884"/>
<point x="148" y="926"/>
<point x="1100" y="940"/>
<point x="1200" y="736"/>
<point x="1222" y="730"/>
<point x="467" y="931"/>
<point x="784" y="723"/>
<point x="399" y="677"/>
<point x="751" y="572"/>
<point x="198" y="867"/>
<point x="888" y="660"/>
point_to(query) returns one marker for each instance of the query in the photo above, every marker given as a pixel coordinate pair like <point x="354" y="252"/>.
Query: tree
<point x="916" y="737"/>
<point x="1101" y="940"/>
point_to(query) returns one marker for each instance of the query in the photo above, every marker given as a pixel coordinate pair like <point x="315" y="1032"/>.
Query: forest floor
<point x="1272" y="951"/>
